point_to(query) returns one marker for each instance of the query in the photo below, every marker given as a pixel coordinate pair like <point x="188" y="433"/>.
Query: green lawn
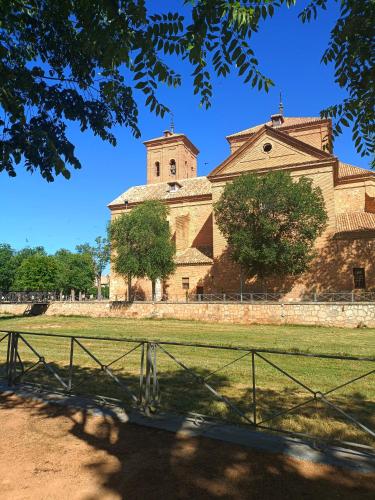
<point x="180" y="392"/>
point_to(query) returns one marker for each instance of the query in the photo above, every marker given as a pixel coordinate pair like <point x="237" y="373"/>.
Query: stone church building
<point x="345" y="252"/>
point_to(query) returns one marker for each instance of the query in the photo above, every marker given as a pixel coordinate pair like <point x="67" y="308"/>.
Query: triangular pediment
<point x="269" y="148"/>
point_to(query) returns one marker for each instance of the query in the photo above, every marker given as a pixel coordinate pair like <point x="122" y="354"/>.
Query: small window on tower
<point x="185" y="283"/>
<point x="157" y="168"/>
<point x="172" y="165"/>
<point x="359" y="277"/>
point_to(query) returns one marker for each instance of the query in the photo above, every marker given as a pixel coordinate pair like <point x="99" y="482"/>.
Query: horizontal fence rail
<point x="42" y="297"/>
<point x="249" y="298"/>
<point x="255" y="297"/>
<point x="151" y="380"/>
<point x="26" y="297"/>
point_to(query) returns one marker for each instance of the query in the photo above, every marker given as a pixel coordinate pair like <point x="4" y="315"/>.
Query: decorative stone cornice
<point x="171" y="201"/>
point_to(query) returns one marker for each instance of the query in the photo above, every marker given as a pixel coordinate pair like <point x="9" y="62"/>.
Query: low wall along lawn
<point x="293" y="313"/>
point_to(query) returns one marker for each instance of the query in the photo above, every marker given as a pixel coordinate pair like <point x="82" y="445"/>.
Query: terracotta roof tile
<point x="347" y="170"/>
<point x="355" y="222"/>
<point x="288" y="122"/>
<point x="192" y="256"/>
<point x="189" y="187"/>
<point x="175" y="135"/>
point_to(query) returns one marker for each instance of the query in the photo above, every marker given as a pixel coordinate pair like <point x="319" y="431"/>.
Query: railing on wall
<point x="251" y="297"/>
<point x="254" y="297"/>
<point x="41" y="297"/>
<point x="26" y="297"/>
<point x="208" y="383"/>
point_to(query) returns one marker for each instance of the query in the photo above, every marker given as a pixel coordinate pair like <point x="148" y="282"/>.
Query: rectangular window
<point x="359" y="277"/>
<point x="185" y="283"/>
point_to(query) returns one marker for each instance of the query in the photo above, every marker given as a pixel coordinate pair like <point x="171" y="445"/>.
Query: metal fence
<point x="251" y="297"/>
<point x="28" y="297"/>
<point x="213" y="297"/>
<point x="254" y="297"/>
<point x="148" y="381"/>
<point x="41" y="297"/>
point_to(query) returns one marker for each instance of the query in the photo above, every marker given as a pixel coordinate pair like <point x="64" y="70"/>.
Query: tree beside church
<point x="343" y="252"/>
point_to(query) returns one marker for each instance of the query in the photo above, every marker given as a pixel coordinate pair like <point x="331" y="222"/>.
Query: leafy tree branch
<point x="90" y="62"/>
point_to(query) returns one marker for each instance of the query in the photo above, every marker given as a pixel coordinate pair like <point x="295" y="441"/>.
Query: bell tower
<point x="170" y="158"/>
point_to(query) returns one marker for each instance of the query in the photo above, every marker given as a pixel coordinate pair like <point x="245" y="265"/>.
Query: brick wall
<point x="198" y="274"/>
<point x="255" y="158"/>
<point x="313" y="134"/>
<point x="350" y="197"/>
<point x="163" y="151"/>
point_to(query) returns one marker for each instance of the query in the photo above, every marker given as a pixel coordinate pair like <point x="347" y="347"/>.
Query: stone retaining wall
<point x="297" y="313"/>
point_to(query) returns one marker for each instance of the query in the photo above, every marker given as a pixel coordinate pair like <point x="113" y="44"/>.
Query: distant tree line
<point x="66" y="272"/>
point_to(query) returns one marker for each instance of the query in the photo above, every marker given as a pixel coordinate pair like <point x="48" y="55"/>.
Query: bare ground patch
<point x="50" y="452"/>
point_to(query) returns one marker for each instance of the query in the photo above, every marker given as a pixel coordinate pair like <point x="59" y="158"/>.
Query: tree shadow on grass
<point x="6" y="316"/>
<point x="178" y="392"/>
<point x="129" y="461"/>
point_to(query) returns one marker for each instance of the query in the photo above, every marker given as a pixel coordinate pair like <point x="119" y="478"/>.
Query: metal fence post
<point x="71" y="364"/>
<point x="151" y="383"/>
<point x="141" y="375"/>
<point x="254" y="389"/>
<point x="12" y="358"/>
<point x="7" y="364"/>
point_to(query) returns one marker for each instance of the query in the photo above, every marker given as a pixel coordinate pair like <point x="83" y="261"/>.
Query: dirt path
<point x="50" y="452"/>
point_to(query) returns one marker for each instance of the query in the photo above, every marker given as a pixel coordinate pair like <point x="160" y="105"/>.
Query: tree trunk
<point x="99" y="286"/>
<point x="129" y="287"/>
<point x="153" y="283"/>
<point x="72" y="294"/>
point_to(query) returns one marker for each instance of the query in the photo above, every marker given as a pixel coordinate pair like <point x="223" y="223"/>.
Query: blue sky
<point x="66" y="213"/>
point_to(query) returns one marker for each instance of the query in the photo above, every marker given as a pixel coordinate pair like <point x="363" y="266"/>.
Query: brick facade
<point x="170" y="158"/>
<point x="297" y="145"/>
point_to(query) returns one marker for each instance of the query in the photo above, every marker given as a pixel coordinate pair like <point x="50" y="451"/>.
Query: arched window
<point x="172" y="165"/>
<point x="157" y="168"/>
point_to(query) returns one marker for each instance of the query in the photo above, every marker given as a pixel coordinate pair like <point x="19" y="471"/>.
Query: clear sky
<point x="66" y="213"/>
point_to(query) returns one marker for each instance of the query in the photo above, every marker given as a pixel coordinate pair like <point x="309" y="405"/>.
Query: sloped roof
<point x="192" y="256"/>
<point x="355" y="222"/>
<point x="195" y="186"/>
<point x="289" y="121"/>
<point x="347" y="170"/>
<point x="161" y="137"/>
<point x="172" y="137"/>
